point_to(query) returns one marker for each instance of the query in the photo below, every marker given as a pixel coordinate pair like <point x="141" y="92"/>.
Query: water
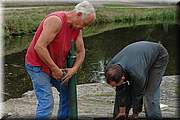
<point x="102" y="47"/>
<point x="99" y="50"/>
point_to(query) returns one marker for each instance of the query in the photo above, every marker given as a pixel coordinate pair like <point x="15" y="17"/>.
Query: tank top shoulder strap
<point x="60" y="14"/>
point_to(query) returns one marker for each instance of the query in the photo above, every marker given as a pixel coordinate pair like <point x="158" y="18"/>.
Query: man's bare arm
<point x="121" y="114"/>
<point x="51" y="27"/>
<point x="79" y="58"/>
<point x="80" y="52"/>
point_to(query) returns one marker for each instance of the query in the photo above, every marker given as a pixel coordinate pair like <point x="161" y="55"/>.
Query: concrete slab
<point x="94" y="100"/>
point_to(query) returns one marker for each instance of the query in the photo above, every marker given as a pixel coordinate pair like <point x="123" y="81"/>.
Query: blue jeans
<point x="42" y="83"/>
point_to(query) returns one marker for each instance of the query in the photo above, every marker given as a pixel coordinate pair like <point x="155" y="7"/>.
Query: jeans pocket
<point x="38" y="77"/>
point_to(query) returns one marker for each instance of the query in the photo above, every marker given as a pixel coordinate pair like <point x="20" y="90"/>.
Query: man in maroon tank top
<point x="46" y="55"/>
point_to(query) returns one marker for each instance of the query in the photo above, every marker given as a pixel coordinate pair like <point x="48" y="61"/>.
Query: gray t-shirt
<point x="136" y="59"/>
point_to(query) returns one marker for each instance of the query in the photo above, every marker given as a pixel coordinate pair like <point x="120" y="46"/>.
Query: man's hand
<point x="134" y="116"/>
<point x="122" y="114"/>
<point x="57" y="74"/>
<point x="69" y="74"/>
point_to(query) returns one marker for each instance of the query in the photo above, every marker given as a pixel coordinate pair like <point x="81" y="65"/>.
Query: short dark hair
<point x="113" y="73"/>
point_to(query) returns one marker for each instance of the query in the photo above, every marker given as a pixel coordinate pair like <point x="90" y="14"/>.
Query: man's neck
<point x="69" y="16"/>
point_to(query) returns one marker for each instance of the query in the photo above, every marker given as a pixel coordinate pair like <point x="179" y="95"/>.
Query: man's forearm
<point x="137" y="104"/>
<point x="79" y="60"/>
<point x="45" y="57"/>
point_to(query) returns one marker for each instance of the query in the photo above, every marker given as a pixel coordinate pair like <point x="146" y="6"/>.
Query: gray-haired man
<point x="46" y="55"/>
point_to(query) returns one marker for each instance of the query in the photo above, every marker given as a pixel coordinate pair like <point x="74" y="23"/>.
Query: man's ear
<point x="123" y="77"/>
<point x="79" y="13"/>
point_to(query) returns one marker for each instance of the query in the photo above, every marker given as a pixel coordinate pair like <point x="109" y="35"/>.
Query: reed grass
<point x="25" y="21"/>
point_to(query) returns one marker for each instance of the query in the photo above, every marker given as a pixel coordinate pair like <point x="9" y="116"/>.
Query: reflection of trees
<point x="102" y="47"/>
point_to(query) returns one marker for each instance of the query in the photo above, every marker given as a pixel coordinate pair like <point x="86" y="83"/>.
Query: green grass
<point x="25" y="21"/>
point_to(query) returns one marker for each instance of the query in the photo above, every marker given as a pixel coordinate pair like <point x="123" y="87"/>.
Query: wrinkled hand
<point x="121" y="116"/>
<point x="69" y="74"/>
<point x="57" y="74"/>
<point x="134" y="116"/>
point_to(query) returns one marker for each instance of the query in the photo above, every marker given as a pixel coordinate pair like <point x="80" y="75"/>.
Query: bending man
<point x="136" y="72"/>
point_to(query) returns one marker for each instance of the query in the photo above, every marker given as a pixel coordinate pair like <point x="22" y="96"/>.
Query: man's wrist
<point x="122" y="109"/>
<point x="135" y="115"/>
<point x="75" y="69"/>
<point x="54" y="68"/>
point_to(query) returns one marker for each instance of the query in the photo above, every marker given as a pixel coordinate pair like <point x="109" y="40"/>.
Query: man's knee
<point x="46" y="104"/>
<point x="151" y="98"/>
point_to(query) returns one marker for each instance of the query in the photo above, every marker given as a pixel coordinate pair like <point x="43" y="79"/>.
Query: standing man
<point x="136" y="72"/>
<point x="46" y="55"/>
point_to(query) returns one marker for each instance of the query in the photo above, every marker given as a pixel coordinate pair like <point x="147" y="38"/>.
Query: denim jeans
<point x="152" y="93"/>
<point x="42" y="83"/>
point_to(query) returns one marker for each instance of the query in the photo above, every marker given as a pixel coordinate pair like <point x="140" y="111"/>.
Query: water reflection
<point x="99" y="50"/>
<point x="102" y="47"/>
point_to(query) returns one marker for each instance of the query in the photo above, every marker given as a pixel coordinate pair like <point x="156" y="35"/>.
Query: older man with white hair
<point x="46" y="55"/>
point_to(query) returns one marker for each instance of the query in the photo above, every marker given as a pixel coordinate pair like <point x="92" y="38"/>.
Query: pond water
<point x="100" y="49"/>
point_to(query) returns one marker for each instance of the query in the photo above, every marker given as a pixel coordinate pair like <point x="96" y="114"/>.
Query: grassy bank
<point x="19" y="22"/>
